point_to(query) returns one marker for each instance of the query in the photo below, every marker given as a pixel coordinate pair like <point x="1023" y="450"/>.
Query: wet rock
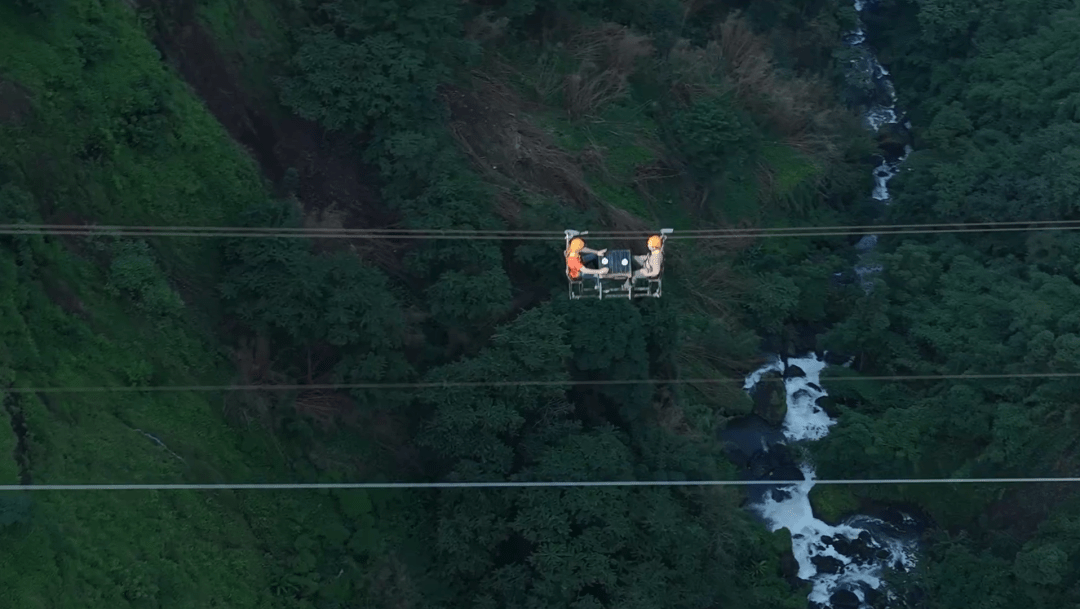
<point x="780" y="495"/>
<point x="792" y="372"/>
<point x="789" y="566"/>
<point x="829" y="405"/>
<point x="863" y="549"/>
<point x="844" y="599"/>
<point x="908" y="519"/>
<point x="832" y="503"/>
<point x="891" y="140"/>
<point x="776" y="463"/>
<point x="770" y="399"/>
<point x="781" y="464"/>
<point x="827" y="564"/>
<point x="873" y="597"/>
<point x="841" y="545"/>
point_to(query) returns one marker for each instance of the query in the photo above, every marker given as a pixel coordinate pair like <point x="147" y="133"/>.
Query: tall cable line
<point x="525" y="235"/>
<point x="514" y="484"/>
<point x="535" y="383"/>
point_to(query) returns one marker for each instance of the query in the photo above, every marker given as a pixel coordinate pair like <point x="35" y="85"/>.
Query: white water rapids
<point x="844" y="563"/>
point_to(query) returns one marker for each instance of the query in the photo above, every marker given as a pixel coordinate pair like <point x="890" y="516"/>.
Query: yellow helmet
<point x="576" y="246"/>
<point x="655" y="242"/>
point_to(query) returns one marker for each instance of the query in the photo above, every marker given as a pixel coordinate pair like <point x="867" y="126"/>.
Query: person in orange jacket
<point x="651" y="264"/>
<point x="576" y="257"/>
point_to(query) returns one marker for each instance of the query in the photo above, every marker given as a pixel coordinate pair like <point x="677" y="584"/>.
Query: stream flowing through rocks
<point x="845" y="563"/>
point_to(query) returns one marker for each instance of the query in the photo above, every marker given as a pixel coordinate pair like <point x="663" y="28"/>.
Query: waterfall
<point x="844" y="563"/>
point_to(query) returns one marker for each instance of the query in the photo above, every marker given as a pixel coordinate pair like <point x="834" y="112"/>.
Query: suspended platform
<point x="620" y="269"/>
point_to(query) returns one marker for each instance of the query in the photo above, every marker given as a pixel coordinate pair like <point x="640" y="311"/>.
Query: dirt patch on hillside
<point x="492" y="126"/>
<point x="330" y="171"/>
<point x="508" y="149"/>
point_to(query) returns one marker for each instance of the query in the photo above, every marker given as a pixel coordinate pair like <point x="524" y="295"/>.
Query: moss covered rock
<point x="832" y="503"/>
<point x="770" y="399"/>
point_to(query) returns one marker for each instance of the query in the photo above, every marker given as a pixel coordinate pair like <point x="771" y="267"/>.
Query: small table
<point x="619" y="263"/>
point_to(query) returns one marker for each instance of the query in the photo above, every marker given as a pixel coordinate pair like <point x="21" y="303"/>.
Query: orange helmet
<point x="655" y="242"/>
<point x="576" y="246"/>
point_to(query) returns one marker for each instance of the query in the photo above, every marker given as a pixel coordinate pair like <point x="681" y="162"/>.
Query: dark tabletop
<point x="615" y="260"/>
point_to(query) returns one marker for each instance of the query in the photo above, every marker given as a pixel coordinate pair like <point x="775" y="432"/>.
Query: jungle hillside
<point x="522" y="115"/>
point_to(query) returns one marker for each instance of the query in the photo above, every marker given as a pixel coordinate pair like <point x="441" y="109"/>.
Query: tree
<point x="375" y="64"/>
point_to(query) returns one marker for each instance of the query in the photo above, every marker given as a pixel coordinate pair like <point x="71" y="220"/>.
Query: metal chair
<point x="651" y="287"/>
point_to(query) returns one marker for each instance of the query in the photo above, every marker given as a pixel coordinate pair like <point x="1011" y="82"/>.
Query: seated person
<point x="651" y="264"/>
<point x="576" y="257"/>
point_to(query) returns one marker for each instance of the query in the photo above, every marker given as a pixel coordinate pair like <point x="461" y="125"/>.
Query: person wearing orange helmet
<point x="576" y="257"/>
<point x="651" y="263"/>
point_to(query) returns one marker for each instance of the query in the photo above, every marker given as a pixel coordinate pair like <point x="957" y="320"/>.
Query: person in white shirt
<point x="651" y="264"/>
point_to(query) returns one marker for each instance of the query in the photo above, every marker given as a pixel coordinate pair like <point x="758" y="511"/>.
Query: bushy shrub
<point x="714" y="136"/>
<point x="135" y="272"/>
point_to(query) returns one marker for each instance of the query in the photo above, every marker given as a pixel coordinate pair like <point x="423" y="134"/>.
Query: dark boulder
<point x="789" y="566"/>
<point x="841" y="545"/>
<point x="828" y="404"/>
<point x="844" y="599"/>
<point x="775" y="464"/>
<point x="873" y="596"/>
<point x="792" y="372"/>
<point x="891" y="140"/>
<point x="827" y="564"/>
<point x="770" y="398"/>
<point x="863" y="549"/>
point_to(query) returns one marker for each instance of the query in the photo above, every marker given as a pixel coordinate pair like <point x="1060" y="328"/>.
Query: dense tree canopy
<point x="521" y="115"/>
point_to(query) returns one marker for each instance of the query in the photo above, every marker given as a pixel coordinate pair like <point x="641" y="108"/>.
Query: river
<point x="844" y="563"/>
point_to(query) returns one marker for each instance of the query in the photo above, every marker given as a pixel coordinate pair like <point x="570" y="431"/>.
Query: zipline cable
<point x="523" y="235"/>
<point x="502" y="485"/>
<point x="552" y="383"/>
<point x="1003" y="224"/>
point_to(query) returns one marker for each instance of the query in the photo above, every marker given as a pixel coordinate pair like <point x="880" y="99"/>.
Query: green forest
<point x="524" y="115"/>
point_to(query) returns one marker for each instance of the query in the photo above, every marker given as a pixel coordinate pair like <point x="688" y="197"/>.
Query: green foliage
<point x="993" y="105"/>
<point x="374" y="64"/>
<point x="135" y="273"/>
<point x="113" y="136"/>
<point x="957" y="576"/>
<point x="576" y="547"/>
<point x="280" y="285"/>
<point x="832" y="503"/>
<point x="714" y="137"/>
<point x="471" y="298"/>
<point x="116" y="138"/>
<point x="1041" y="565"/>
<point x="41" y="7"/>
<point x="14" y="510"/>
